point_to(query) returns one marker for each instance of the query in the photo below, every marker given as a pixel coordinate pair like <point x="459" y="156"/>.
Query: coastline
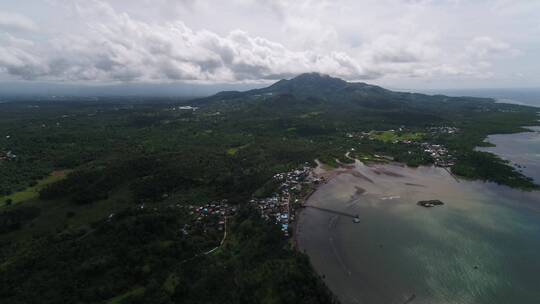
<point x="337" y="262"/>
<point x="507" y="147"/>
<point x="331" y="174"/>
<point x="484" y="160"/>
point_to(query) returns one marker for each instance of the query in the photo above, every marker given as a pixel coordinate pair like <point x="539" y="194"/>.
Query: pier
<point x="353" y="216"/>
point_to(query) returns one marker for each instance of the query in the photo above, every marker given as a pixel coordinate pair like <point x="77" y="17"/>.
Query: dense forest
<point x="93" y="191"/>
<point x="140" y="257"/>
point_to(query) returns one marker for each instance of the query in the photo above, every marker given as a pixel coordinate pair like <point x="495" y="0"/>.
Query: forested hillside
<point x="97" y="196"/>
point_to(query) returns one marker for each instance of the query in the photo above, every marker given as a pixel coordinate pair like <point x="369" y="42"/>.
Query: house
<point x="188" y="108"/>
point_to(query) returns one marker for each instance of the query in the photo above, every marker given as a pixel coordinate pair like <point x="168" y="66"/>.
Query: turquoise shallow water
<point x="482" y="246"/>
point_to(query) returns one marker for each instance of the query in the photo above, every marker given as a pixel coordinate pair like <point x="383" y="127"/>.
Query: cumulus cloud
<point x="17" y="58"/>
<point x="120" y="48"/>
<point x="107" y="42"/>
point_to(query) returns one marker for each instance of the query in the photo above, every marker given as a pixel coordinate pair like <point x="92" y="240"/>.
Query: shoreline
<point x="327" y="174"/>
<point x="517" y="160"/>
<point x="327" y="245"/>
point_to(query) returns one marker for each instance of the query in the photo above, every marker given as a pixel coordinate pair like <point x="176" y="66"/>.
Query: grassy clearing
<point x="120" y="298"/>
<point x="64" y="215"/>
<point x="311" y="114"/>
<point x="33" y="192"/>
<point x="391" y="136"/>
<point x="232" y="151"/>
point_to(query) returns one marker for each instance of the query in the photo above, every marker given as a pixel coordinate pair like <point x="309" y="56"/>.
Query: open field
<point x="33" y="192"/>
<point x="391" y="136"/>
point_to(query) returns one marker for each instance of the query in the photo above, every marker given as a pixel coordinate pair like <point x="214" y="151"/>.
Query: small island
<point x="430" y="203"/>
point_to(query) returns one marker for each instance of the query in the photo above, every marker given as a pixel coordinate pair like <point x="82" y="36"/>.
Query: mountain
<point x="312" y="84"/>
<point x="105" y="201"/>
<point x="306" y="85"/>
<point x="326" y="88"/>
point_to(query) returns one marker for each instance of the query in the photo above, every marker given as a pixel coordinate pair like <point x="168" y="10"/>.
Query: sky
<point x="406" y="44"/>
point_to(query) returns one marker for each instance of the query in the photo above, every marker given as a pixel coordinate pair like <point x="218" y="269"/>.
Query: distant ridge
<point x="327" y="88"/>
<point x="304" y="85"/>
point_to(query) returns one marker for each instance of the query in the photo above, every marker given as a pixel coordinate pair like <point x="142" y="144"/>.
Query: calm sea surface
<point x="481" y="246"/>
<point x="522" y="150"/>
<point x="529" y="96"/>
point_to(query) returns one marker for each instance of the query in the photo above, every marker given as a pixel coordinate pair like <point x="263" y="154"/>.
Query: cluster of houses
<point x="280" y="207"/>
<point x="7" y="155"/>
<point x="443" y="130"/>
<point x="276" y="209"/>
<point x="358" y="135"/>
<point x="440" y="154"/>
<point x="212" y="214"/>
<point x="184" y="108"/>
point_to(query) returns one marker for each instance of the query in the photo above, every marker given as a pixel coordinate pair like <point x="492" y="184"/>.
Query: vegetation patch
<point x="234" y="150"/>
<point x="393" y="136"/>
<point x="136" y="292"/>
<point x="311" y="114"/>
<point x="33" y="191"/>
<point x="118" y="221"/>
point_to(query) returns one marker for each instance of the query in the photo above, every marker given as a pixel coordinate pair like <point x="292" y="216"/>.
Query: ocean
<point x="528" y="96"/>
<point x="481" y="246"/>
<point x="522" y="149"/>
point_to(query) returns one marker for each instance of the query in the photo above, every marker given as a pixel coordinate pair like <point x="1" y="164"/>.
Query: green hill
<point x="119" y="227"/>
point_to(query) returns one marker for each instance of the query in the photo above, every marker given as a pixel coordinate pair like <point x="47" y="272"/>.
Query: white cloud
<point x="17" y="58"/>
<point x="253" y="40"/>
<point x="15" y="22"/>
<point x="483" y="46"/>
<point x="119" y="48"/>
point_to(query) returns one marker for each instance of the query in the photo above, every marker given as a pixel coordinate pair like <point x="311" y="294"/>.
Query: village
<point x="208" y="217"/>
<point x="280" y="207"/>
<point x="443" y="130"/>
<point x="212" y="215"/>
<point x="439" y="153"/>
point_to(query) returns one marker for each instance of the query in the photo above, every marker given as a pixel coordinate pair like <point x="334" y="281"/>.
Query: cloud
<point x="17" y="59"/>
<point x="483" y="46"/>
<point x="15" y="22"/>
<point x="122" y="41"/>
<point x="119" y="48"/>
<point x="395" y="49"/>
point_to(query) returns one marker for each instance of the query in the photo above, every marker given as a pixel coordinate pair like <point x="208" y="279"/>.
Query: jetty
<point x="353" y="216"/>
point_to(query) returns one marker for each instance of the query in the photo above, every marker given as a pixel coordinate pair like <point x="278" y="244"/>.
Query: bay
<point x="481" y="246"/>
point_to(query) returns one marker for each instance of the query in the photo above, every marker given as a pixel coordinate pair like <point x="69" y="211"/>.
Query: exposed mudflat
<point x="481" y="246"/>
